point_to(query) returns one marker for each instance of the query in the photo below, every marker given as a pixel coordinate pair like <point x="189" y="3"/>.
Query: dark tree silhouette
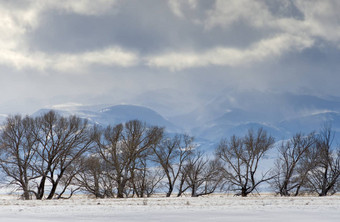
<point x="171" y="154"/>
<point x="17" y="148"/>
<point x="324" y="177"/>
<point x="290" y="169"/>
<point x="241" y="157"/>
<point x="122" y="146"/>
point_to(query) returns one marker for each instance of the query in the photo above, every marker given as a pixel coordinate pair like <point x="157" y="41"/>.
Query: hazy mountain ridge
<point x="281" y="115"/>
<point x="113" y="115"/>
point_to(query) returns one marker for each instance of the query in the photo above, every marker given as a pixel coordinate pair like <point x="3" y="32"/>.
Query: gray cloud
<point x="117" y="51"/>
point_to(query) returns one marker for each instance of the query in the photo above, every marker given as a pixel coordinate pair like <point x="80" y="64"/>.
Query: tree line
<point x="51" y="156"/>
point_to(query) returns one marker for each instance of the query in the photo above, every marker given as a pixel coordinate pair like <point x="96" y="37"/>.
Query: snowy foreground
<point x="213" y="208"/>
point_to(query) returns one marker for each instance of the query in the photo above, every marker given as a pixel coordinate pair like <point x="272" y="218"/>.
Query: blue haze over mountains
<point x="280" y="114"/>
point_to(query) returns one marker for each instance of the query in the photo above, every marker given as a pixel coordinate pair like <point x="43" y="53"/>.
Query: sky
<point x="182" y="51"/>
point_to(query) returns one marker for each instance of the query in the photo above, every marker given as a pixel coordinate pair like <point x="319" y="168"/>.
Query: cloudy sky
<point x="119" y="51"/>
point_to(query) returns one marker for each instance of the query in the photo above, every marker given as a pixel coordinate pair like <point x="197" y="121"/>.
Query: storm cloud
<point x="114" y="51"/>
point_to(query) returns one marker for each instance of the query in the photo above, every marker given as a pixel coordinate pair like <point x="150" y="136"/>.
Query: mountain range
<point x="230" y="113"/>
<point x="111" y="115"/>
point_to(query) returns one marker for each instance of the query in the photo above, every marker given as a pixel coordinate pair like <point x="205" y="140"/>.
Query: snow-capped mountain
<point x="281" y="114"/>
<point x="230" y="113"/>
<point x="124" y="113"/>
<point x="112" y="115"/>
<point x="312" y="122"/>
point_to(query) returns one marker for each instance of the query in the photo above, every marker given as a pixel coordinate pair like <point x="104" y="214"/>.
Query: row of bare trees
<point x="134" y="159"/>
<point x="49" y="156"/>
<point x="46" y="156"/>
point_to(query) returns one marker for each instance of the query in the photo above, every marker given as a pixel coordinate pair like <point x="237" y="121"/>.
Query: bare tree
<point x="324" y="177"/>
<point x="94" y="177"/>
<point x="153" y="180"/>
<point x="146" y="179"/>
<point x="61" y="142"/>
<point x="201" y="175"/>
<point x="121" y="146"/>
<point x="17" y="148"/>
<point x="66" y="182"/>
<point x="241" y="157"/>
<point x="212" y="178"/>
<point x="290" y="171"/>
<point x="171" y="154"/>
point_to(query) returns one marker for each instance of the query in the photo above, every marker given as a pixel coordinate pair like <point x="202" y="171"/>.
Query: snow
<point x="213" y="208"/>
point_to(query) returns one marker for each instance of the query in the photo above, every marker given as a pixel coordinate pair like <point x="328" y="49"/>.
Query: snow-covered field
<point x="213" y="208"/>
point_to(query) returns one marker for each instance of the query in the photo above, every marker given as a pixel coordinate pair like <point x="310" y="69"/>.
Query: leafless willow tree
<point x="171" y="154"/>
<point x="241" y="157"/>
<point x="122" y="146"/>
<point x="146" y="178"/>
<point x="61" y="141"/>
<point x="41" y="149"/>
<point x="292" y="168"/>
<point x="323" y="178"/>
<point x="201" y="175"/>
<point x="17" y="148"/>
<point x="94" y="177"/>
<point x="66" y="182"/>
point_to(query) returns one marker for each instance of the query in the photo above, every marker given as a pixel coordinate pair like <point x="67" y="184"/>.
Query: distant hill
<point x="280" y="114"/>
<point x="115" y="115"/>
<point x="215" y="133"/>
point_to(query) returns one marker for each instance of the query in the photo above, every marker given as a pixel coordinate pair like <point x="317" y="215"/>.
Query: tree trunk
<point x="55" y="184"/>
<point x="168" y="194"/>
<point x="193" y="191"/>
<point x="41" y="188"/>
<point x="26" y="194"/>
<point x="284" y="189"/>
<point x="180" y="190"/>
<point x="244" y="192"/>
<point x="120" y="190"/>
<point x="52" y="192"/>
